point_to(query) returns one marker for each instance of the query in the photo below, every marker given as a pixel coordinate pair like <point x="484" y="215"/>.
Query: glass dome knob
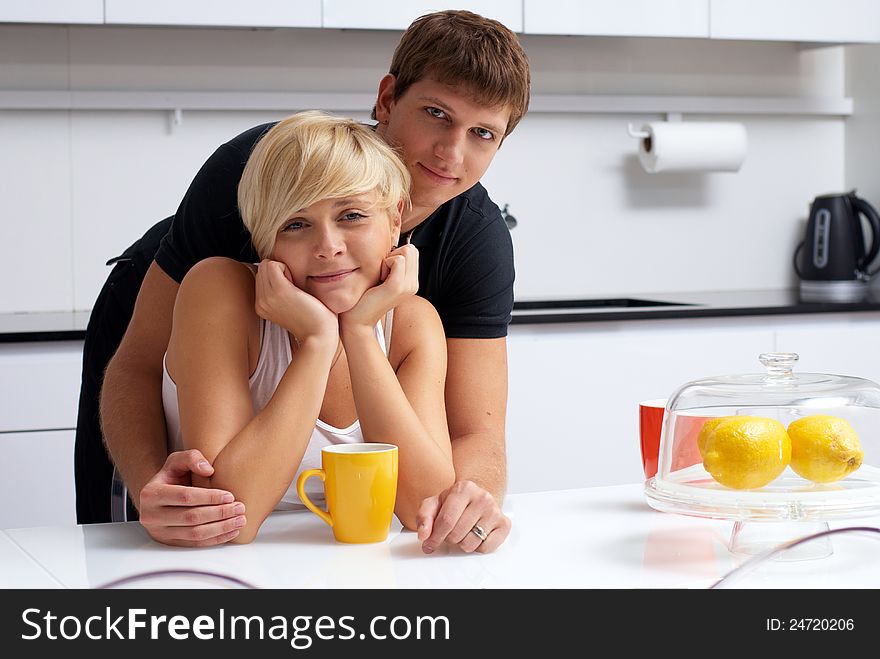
<point x="778" y="364"/>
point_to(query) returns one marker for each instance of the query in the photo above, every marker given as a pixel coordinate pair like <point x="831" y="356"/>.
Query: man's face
<point x="445" y="138"/>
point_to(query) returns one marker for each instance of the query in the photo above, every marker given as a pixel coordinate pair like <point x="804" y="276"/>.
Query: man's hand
<point x="451" y="516"/>
<point x="400" y="280"/>
<point x="175" y="513"/>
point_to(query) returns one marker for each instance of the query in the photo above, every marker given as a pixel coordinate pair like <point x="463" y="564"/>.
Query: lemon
<point x="744" y="452"/>
<point x="708" y="426"/>
<point x="824" y="448"/>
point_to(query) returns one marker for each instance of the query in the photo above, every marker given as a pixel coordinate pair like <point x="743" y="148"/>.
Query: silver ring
<point x="479" y="532"/>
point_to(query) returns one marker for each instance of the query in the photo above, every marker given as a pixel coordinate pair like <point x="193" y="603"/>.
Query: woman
<point x="325" y="342"/>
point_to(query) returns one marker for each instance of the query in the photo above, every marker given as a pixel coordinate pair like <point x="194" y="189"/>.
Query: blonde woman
<point x="325" y="342"/>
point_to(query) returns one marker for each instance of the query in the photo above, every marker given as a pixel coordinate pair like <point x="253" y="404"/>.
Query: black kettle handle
<point x="796" y="259"/>
<point x="866" y="209"/>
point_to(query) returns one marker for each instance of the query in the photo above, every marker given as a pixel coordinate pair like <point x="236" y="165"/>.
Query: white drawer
<point x="36" y="479"/>
<point x="39" y="385"/>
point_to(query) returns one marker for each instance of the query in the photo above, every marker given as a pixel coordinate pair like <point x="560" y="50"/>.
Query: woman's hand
<point x="280" y="301"/>
<point x="400" y="280"/>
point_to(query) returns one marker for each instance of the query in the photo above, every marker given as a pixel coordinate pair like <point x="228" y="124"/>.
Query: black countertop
<point x="655" y="306"/>
<point x="71" y="325"/>
<point x="43" y="326"/>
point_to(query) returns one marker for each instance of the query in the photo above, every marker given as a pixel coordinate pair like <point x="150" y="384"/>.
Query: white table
<point x="19" y="570"/>
<point x="604" y="537"/>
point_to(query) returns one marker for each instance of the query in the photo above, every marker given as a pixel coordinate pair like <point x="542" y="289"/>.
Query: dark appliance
<point x="832" y="261"/>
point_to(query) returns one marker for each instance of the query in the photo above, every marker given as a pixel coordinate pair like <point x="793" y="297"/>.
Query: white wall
<point x="80" y="186"/>
<point x="863" y="129"/>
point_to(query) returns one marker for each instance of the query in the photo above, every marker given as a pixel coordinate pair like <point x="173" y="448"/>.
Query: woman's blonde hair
<point x="309" y="157"/>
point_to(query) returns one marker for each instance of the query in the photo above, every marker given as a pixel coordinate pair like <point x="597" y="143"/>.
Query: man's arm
<point x="133" y="424"/>
<point x="476" y="406"/>
<point x="131" y="397"/>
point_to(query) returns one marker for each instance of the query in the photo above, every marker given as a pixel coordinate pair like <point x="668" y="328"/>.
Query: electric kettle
<point x="832" y="261"/>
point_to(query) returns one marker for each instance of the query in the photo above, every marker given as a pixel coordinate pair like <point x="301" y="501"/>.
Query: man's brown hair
<point x="463" y="48"/>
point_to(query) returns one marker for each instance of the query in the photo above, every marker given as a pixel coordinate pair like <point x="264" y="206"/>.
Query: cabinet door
<point x="39" y="385"/>
<point x="52" y="11"/>
<point x="224" y="13"/>
<point x="834" y="21"/>
<point x="839" y="344"/>
<point x="637" y="18"/>
<point x="36" y="479"/>
<point x="395" y="15"/>
<point x="574" y="391"/>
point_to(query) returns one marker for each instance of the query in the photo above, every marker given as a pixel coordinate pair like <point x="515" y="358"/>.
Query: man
<point x="457" y="86"/>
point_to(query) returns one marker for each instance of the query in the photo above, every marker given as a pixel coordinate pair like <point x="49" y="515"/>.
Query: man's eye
<point x="436" y="112"/>
<point x="484" y="134"/>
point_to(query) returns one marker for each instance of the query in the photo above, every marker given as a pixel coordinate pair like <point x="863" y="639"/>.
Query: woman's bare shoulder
<point x="219" y="269"/>
<point x="416" y="324"/>
<point x="219" y="274"/>
<point x="218" y="283"/>
<point x="416" y="311"/>
<point x="213" y="314"/>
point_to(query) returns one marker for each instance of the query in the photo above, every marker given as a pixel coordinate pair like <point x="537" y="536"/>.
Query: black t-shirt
<point x="465" y="252"/>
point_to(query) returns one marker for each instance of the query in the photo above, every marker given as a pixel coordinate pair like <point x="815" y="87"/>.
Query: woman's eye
<point x="353" y="216"/>
<point x="293" y="226"/>
<point x="436" y="112"/>
<point x="484" y="134"/>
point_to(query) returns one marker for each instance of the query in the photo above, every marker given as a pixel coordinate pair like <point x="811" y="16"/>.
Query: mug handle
<point x="301" y="491"/>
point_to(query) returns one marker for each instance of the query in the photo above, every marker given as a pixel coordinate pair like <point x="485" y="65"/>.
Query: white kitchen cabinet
<point x="574" y="389"/>
<point x="830" y="21"/>
<point x="39" y="395"/>
<point x="52" y="11"/>
<point x="219" y="13"/>
<point x="843" y="344"/>
<point x="36" y="479"/>
<point x="395" y="15"/>
<point x="39" y="385"/>
<point x="631" y="18"/>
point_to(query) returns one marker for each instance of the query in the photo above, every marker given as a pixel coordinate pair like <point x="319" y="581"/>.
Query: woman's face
<point x="334" y="249"/>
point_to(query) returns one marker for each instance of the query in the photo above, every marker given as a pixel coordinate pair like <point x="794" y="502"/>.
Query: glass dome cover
<point x="684" y="484"/>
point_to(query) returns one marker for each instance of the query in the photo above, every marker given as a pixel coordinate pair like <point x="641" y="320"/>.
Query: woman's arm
<point x="404" y="408"/>
<point x="210" y="357"/>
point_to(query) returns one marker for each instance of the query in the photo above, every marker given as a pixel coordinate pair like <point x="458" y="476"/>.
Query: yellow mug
<point x="360" y="485"/>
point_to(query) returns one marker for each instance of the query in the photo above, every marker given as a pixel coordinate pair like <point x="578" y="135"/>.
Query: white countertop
<point x="604" y="537"/>
<point x="18" y="570"/>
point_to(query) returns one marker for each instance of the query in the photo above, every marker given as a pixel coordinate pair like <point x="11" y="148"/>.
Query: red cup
<point x="684" y="449"/>
<point x="650" y="428"/>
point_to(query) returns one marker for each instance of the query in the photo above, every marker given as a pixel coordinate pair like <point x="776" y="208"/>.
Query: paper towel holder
<point x="681" y="145"/>
<point x="643" y="134"/>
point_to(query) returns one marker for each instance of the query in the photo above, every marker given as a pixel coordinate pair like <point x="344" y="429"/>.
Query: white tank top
<point x="275" y="356"/>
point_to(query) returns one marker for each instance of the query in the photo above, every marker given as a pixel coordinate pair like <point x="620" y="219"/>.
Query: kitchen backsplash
<point x="82" y="185"/>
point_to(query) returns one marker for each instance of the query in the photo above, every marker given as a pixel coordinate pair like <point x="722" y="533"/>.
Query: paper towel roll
<point x="682" y="146"/>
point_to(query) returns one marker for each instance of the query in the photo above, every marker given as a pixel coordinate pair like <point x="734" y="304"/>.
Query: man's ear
<point x="385" y="98"/>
